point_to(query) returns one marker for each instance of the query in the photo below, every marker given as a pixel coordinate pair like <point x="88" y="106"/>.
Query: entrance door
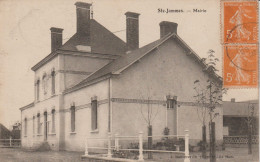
<point x="45" y="126"/>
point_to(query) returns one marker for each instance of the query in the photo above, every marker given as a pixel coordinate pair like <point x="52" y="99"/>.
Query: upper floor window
<point x="53" y="120"/>
<point x="72" y="118"/>
<point x="44" y="83"/>
<point x="94" y="114"/>
<point x="53" y="81"/>
<point x="38" y="89"/>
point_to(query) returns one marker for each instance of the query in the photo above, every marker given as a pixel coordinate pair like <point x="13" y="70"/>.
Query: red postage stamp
<point x="240" y="66"/>
<point x="240" y="22"/>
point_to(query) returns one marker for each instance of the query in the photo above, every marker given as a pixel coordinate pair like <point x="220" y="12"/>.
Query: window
<point x="33" y="125"/>
<point x="72" y="109"/>
<point x="53" y="82"/>
<point x="94" y="124"/>
<point x="53" y="120"/>
<point x="44" y="83"/>
<point x="38" y="124"/>
<point x="38" y="90"/>
<point x="25" y="127"/>
<point x="171" y="101"/>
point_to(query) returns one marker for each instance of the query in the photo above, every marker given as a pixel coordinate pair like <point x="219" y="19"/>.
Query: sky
<point x="25" y="38"/>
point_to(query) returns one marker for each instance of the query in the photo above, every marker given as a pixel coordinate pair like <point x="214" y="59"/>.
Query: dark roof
<point x="101" y="41"/>
<point x="238" y="108"/>
<point x="126" y="60"/>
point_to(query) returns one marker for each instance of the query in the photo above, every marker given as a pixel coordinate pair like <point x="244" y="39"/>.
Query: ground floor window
<point x="94" y="114"/>
<point x="72" y="118"/>
<point x="38" y="124"/>
<point x="25" y="127"/>
<point x="53" y="120"/>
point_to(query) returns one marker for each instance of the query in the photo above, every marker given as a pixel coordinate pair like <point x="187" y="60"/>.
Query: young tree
<point x="149" y="117"/>
<point x="208" y="96"/>
<point x="250" y="121"/>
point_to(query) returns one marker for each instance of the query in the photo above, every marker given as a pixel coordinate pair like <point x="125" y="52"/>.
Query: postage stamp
<point x="239" y="19"/>
<point x="240" y="65"/>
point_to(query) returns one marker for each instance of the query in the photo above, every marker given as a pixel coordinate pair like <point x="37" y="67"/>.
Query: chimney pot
<point x="56" y="38"/>
<point x="83" y="17"/>
<point x="132" y="30"/>
<point x="167" y="27"/>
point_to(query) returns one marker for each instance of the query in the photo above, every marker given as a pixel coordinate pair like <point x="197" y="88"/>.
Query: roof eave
<point x="85" y="84"/>
<point x="44" y="61"/>
<point x="199" y="60"/>
<point x="27" y="106"/>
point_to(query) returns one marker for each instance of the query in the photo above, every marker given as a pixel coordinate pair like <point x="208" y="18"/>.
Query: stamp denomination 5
<point x="240" y="22"/>
<point x="240" y="65"/>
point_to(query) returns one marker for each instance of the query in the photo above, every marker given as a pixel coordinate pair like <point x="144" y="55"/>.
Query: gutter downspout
<point x="21" y="129"/>
<point x="110" y="108"/>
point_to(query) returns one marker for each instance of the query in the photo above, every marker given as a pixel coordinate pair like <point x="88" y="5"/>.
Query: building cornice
<point x="27" y="106"/>
<point x="75" y="53"/>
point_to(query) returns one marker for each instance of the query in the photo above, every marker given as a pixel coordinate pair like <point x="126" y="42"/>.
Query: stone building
<point x="96" y="83"/>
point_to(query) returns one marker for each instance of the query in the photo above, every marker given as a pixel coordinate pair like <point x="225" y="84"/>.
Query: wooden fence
<point x="10" y="142"/>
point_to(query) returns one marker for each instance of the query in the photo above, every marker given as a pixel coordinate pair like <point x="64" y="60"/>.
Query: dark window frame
<point x="25" y="126"/>
<point x="94" y="114"/>
<point x="53" y="113"/>
<point x="73" y="118"/>
<point x="38" y="90"/>
<point x="53" y="82"/>
<point x="38" y="123"/>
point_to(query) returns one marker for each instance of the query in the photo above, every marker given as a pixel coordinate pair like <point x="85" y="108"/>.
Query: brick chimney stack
<point x="167" y="27"/>
<point x="132" y="30"/>
<point x="56" y="38"/>
<point x="83" y="17"/>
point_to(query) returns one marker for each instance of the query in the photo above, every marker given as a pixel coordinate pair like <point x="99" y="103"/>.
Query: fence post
<point x="10" y="141"/>
<point x="187" y="158"/>
<point x="141" y="157"/>
<point x="109" y="145"/>
<point x="116" y="142"/>
<point x="86" y="146"/>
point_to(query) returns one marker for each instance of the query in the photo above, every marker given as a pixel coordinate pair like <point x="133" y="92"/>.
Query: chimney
<point x="56" y="38"/>
<point x="167" y="27"/>
<point x="233" y="100"/>
<point x="83" y="17"/>
<point x="132" y="30"/>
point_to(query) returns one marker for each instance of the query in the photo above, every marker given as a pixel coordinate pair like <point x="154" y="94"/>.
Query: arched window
<point x="53" y="82"/>
<point x="53" y="120"/>
<point x="38" y="90"/>
<point x="38" y="123"/>
<point x="73" y="118"/>
<point x="25" y="127"/>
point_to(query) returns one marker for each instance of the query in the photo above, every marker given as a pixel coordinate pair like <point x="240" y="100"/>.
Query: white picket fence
<point x="140" y="150"/>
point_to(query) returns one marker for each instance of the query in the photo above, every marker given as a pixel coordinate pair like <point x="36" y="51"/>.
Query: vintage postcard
<point x="129" y="80"/>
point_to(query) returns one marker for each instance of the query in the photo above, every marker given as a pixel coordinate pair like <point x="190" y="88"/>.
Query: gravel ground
<point x="19" y="155"/>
